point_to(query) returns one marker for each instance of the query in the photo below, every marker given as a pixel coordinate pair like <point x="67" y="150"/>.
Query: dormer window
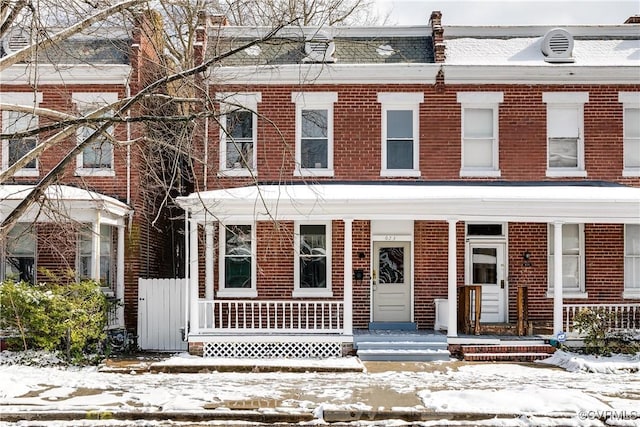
<point x="319" y="48"/>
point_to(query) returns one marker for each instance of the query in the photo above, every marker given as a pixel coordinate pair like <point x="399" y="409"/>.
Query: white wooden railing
<point x="246" y="316"/>
<point x="621" y="317"/>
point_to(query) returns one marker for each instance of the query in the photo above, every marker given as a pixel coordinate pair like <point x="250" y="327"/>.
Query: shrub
<point x="50" y="316"/>
<point x="599" y="338"/>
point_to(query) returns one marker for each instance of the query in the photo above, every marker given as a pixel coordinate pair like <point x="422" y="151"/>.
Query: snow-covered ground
<point x="566" y="389"/>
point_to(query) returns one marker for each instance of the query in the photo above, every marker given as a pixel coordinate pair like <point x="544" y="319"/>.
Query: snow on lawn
<point x="597" y="364"/>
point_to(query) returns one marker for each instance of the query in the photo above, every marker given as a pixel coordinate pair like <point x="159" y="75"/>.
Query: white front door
<point x="487" y="268"/>
<point x="391" y="281"/>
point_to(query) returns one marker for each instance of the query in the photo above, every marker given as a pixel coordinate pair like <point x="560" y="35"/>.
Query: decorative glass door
<point x="487" y="268"/>
<point x="391" y="282"/>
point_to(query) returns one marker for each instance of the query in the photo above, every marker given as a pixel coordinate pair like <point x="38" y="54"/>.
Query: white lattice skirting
<point x="272" y="350"/>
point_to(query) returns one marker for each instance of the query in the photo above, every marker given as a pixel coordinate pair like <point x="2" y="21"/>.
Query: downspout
<point x="128" y="95"/>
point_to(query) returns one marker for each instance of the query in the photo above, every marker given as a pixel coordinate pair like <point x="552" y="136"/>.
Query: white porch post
<point x="95" y="250"/>
<point x="120" y="274"/>
<point x="557" y="277"/>
<point x="209" y="258"/>
<point x="193" y="276"/>
<point x="452" y="281"/>
<point x="348" y="276"/>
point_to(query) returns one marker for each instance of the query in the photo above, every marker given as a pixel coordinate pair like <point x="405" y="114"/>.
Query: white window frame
<point x="231" y="102"/>
<point x="299" y="292"/>
<point x="403" y="101"/>
<point x="629" y="100"/>
<point x="19" y="98"/>
<point x="630" y="292"/>
<point x="85" y="103"/>
<point x="567" y="100"/>
<point x="107" y="251"/>
<point x="579" y="291"/>
<point x="484" y="101"/>
<point x="223" y="291"/>
<point x="23" y="228"/>
<point x="314" y="101"/>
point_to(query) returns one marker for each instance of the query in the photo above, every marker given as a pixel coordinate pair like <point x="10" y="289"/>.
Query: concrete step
<point x="404" y="350"/>
<point x="407" y="345"/>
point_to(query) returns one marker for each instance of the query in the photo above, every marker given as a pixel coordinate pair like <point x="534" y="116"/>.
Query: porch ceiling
<point x="517" y="202"/>
<point x="63" y="201"/>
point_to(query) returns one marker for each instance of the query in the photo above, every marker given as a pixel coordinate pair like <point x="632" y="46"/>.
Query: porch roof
<point x="65" y="203"/>
<point x="532" y="202"/>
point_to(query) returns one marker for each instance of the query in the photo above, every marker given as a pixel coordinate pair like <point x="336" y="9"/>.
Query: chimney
<point x="635" y="19"/>
<point x="437" y="35"/>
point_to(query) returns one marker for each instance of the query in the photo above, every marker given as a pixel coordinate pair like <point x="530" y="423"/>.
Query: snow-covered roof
<point x="535" y="202"/>
<point x="63" y="201"/>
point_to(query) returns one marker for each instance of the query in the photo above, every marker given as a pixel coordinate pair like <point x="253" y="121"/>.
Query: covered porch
<point x="216" y="316"/>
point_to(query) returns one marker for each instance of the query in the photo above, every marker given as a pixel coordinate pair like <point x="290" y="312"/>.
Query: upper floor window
<point x="97" y="157"/>
<point x="400" y="133"/>
<point x="632" y="261"/>
<point x="237" y="260"/>
<point x="573" y="260"/>
<point x="20" y="254"/>
<point x="631" y="132"/>
<point x="313" y="260"/>
<point x="239" y="133"/>
<point x="565" y="133"/>
<point x="15" y="122"/>
<point x="314" y="133"/>
<point x="480" y="133"/>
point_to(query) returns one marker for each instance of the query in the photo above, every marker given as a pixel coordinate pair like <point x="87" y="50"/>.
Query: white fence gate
<point x="161" y="314"/>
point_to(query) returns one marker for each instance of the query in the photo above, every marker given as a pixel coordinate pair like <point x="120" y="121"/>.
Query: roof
<point x="507" y="202"/>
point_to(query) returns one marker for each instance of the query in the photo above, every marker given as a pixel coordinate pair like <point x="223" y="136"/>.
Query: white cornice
<point x="343" y="32"/>
<point x="596" y="31"/>
<point x="30" y="74"/>
<point x="500" y="74"/>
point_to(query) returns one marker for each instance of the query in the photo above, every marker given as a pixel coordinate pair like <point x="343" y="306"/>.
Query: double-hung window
<point x="313" y="260"/>
<point x="96" y="158"/>
<point x="480" y="154"/>
<point x="573" y="260"/>
<point x="105" y="257"/>
<point x="238" y="133"/>
<point x="631" y="132"/>
<point x="16" y="122"/>
<point x="631" y="261"/>
<point x="237" y="260"/>
<point x="400" y="133"/>
<point x="565" y="133"/>
<point x="314" y="133"/>
<point x="20" y="254"/>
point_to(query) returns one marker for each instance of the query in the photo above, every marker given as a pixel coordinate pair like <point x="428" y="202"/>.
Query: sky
<point x="511" y="12"/>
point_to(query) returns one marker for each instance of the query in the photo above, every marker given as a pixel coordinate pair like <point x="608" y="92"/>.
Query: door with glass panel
<point x="487" y="269"/>
<point x="391" y="282"/>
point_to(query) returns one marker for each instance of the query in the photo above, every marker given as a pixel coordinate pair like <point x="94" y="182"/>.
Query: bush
<point x="598" y="338"/>
<point x="68" y="317"/>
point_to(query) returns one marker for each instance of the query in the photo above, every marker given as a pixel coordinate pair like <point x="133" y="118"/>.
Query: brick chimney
<point x="437" y="35"/>
<point x="635" y="19"/>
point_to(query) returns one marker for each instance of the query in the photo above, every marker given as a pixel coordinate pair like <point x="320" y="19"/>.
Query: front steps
<point x="400" y="346"/>
<point x="505" y="351"/>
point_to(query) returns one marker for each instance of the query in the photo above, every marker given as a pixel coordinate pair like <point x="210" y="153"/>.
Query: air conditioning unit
<point x="442" y="314"/>
<point x="557" y="46"/>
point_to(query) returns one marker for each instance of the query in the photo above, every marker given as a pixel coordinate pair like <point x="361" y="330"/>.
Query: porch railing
<point x="620" y="317"/>
<point x="319" y="317"/>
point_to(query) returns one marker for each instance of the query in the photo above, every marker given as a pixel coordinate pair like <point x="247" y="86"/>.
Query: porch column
<point x="209" y="258"/>
<point x="95" y="249"/>
<point x="452" y="281"/>
<point x="557" y="277"/>
<point x="120" y="274"/>
<point x="348" y="276"/>
<point x="193" y="276"/>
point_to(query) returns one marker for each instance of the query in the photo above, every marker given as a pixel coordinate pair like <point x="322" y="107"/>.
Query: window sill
<point x="635" y="294"/>
<point x="314" y="172"/>
<point x="631" y="173"/>
<point x="95" y="172"/>
<point x="570" y="295"/>
<point x="553" y="173"/>
<point x="27" y="172"/>
<point x="471" y="173"/>
<point x="237" y="293"/>
<point x="312" y="293"/>
<point x="400" y="173"/>
<point x="237" y="172"/>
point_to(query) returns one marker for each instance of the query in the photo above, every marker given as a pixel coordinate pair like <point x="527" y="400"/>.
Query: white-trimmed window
<point x="573" y="261"/>
<point x="631" y="132"/>
<point x="313" y="259"/>
<point x="106" y="256"/>
<point x="238" y="133"/>
<point x="237" y="261"/>
<point x="479" y="133"/>
<point x="13" y="149"/>
<point x="20" y="254"/>
<point x="96" y="159"/>
<point x="631" y="261"/>
<point x="314" y="133"/>
<point x="565" y="133"/>
<point x="400" y="133"/>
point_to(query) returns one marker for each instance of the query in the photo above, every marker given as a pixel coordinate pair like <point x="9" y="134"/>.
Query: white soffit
<point x="21" y="74"/>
